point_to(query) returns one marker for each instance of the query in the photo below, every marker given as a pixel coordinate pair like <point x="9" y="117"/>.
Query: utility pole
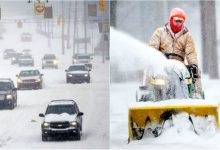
<point x="48" y="32"/>
<point x="62" y="33"/>
<point x="75" y="28"/>
<point x="85" y="25"/>
<point x="68" y="28"/>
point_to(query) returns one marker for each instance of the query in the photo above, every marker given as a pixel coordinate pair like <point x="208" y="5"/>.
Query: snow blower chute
<point x="164" y="96"/>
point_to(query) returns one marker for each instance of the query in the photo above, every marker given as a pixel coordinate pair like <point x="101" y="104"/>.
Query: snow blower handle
<point x="193" y="71"/>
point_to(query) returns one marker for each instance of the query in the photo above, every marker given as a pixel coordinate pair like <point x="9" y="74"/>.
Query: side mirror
<point x="16" y="75"/>
<point x="66" y="70"/>
<point x="41" y="74"/>
<point x="41" y="115"/>
<point x="80" y="114"/>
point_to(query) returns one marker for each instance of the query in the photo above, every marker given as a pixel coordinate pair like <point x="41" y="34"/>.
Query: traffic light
<point x="102" y="5"/>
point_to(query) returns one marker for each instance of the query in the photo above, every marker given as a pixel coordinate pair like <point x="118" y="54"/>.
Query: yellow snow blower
<point x="162" y="97"/>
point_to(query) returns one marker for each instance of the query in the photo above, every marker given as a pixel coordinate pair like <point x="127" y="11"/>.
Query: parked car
<point x="49" y="60"/>
<point x="62" y="119"/>
<point x="29" y="79"/>
<point x="25" y="60"/>
<point x="15" y="58"/>
<point x="8" y="93"/>
<point x="8" y="53"/>
<point x="26" y="37"/>
<point x="83" y="59"/>
<point x="77" y="73"/>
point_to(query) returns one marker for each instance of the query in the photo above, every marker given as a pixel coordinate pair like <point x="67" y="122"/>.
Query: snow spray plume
<point x="130" y="57"/>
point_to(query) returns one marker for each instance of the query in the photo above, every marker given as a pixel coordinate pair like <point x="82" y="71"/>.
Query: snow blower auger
<point x="163" y="97"/>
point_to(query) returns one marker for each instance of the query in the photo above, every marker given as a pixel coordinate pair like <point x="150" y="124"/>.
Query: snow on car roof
<point x="62" y="102"/>
<point x="5" y="80"/>
<point x="78" y="64"/>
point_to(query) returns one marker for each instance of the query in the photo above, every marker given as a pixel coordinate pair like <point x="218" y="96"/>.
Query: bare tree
<point x="209" y="39"/>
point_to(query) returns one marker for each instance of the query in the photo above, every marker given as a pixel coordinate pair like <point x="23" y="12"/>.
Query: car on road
<point x="26" y="37"/>
<point x="15" y="58"/>
<point x="77" y="73"/>
<point x="61" y="119"/>
<point x="8" y="53"/>
<point x="49" y="61"/>
<point x="25" y="60"/>
<point x="8" y="93"/>
<point x="26" y="52"/>
<point x="83" y="59"/>
<point x="29" y="79"/>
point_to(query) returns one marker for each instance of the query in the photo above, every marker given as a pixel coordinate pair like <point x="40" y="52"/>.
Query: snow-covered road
<point x="20" y="128"/>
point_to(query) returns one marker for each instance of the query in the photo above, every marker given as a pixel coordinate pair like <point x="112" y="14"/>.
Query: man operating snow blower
<point x="171" y="89"/>
<point x="175" y="42"/>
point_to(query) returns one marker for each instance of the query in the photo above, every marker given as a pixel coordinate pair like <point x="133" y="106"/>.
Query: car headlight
<point x="73" y="124"/>
<point x="19" y="80"/>
<point x="74" y="61"/>
<point x="9" y="96"/>
<point x="55" y="61"/>
<point x="37" y="80"/>
<point x="69" y="75"/>
<point x="86" y="75"/>
<point x="46" y="125"/>
<point x="13" y="58"/>
<point x="44" y="62"/>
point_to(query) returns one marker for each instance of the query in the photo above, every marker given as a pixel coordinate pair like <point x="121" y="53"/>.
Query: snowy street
<point x="21" y="127"/>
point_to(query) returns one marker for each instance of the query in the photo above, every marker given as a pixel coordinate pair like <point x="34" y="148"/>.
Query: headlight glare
<point x="55" y="61"/>
<point x="46" y="125"/>
<point x="9" y="97"/>
<point x="19" y="80"/>
<point x="70" y="75"/>
<point x="73" y="124"/>
<point x="37" y="80"/>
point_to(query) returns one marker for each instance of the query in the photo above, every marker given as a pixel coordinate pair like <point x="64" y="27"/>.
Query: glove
<point x="194" y="70"/>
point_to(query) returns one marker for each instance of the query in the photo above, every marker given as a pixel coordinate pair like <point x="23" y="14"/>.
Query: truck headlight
<point x="55" y="61"/>
<point x="19" y="80"/>
<point x="69" y="75"/>
<point x="46" y="125"/>
<point x="9" y="96"/>
<point x="44" y="62"/>
<point x="86" y="75"/>
<point x="74" y="61"/>
<point x="13" y="58"/>
<point x="73" y="124"/>
<point x="37" y="80"/>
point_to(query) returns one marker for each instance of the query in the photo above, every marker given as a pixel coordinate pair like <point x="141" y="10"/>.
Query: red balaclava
<point x="177" y="12"/>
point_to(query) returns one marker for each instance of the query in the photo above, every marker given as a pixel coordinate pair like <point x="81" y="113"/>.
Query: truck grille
<point x="29" y="81"/>
<point x="59" y="125"/>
